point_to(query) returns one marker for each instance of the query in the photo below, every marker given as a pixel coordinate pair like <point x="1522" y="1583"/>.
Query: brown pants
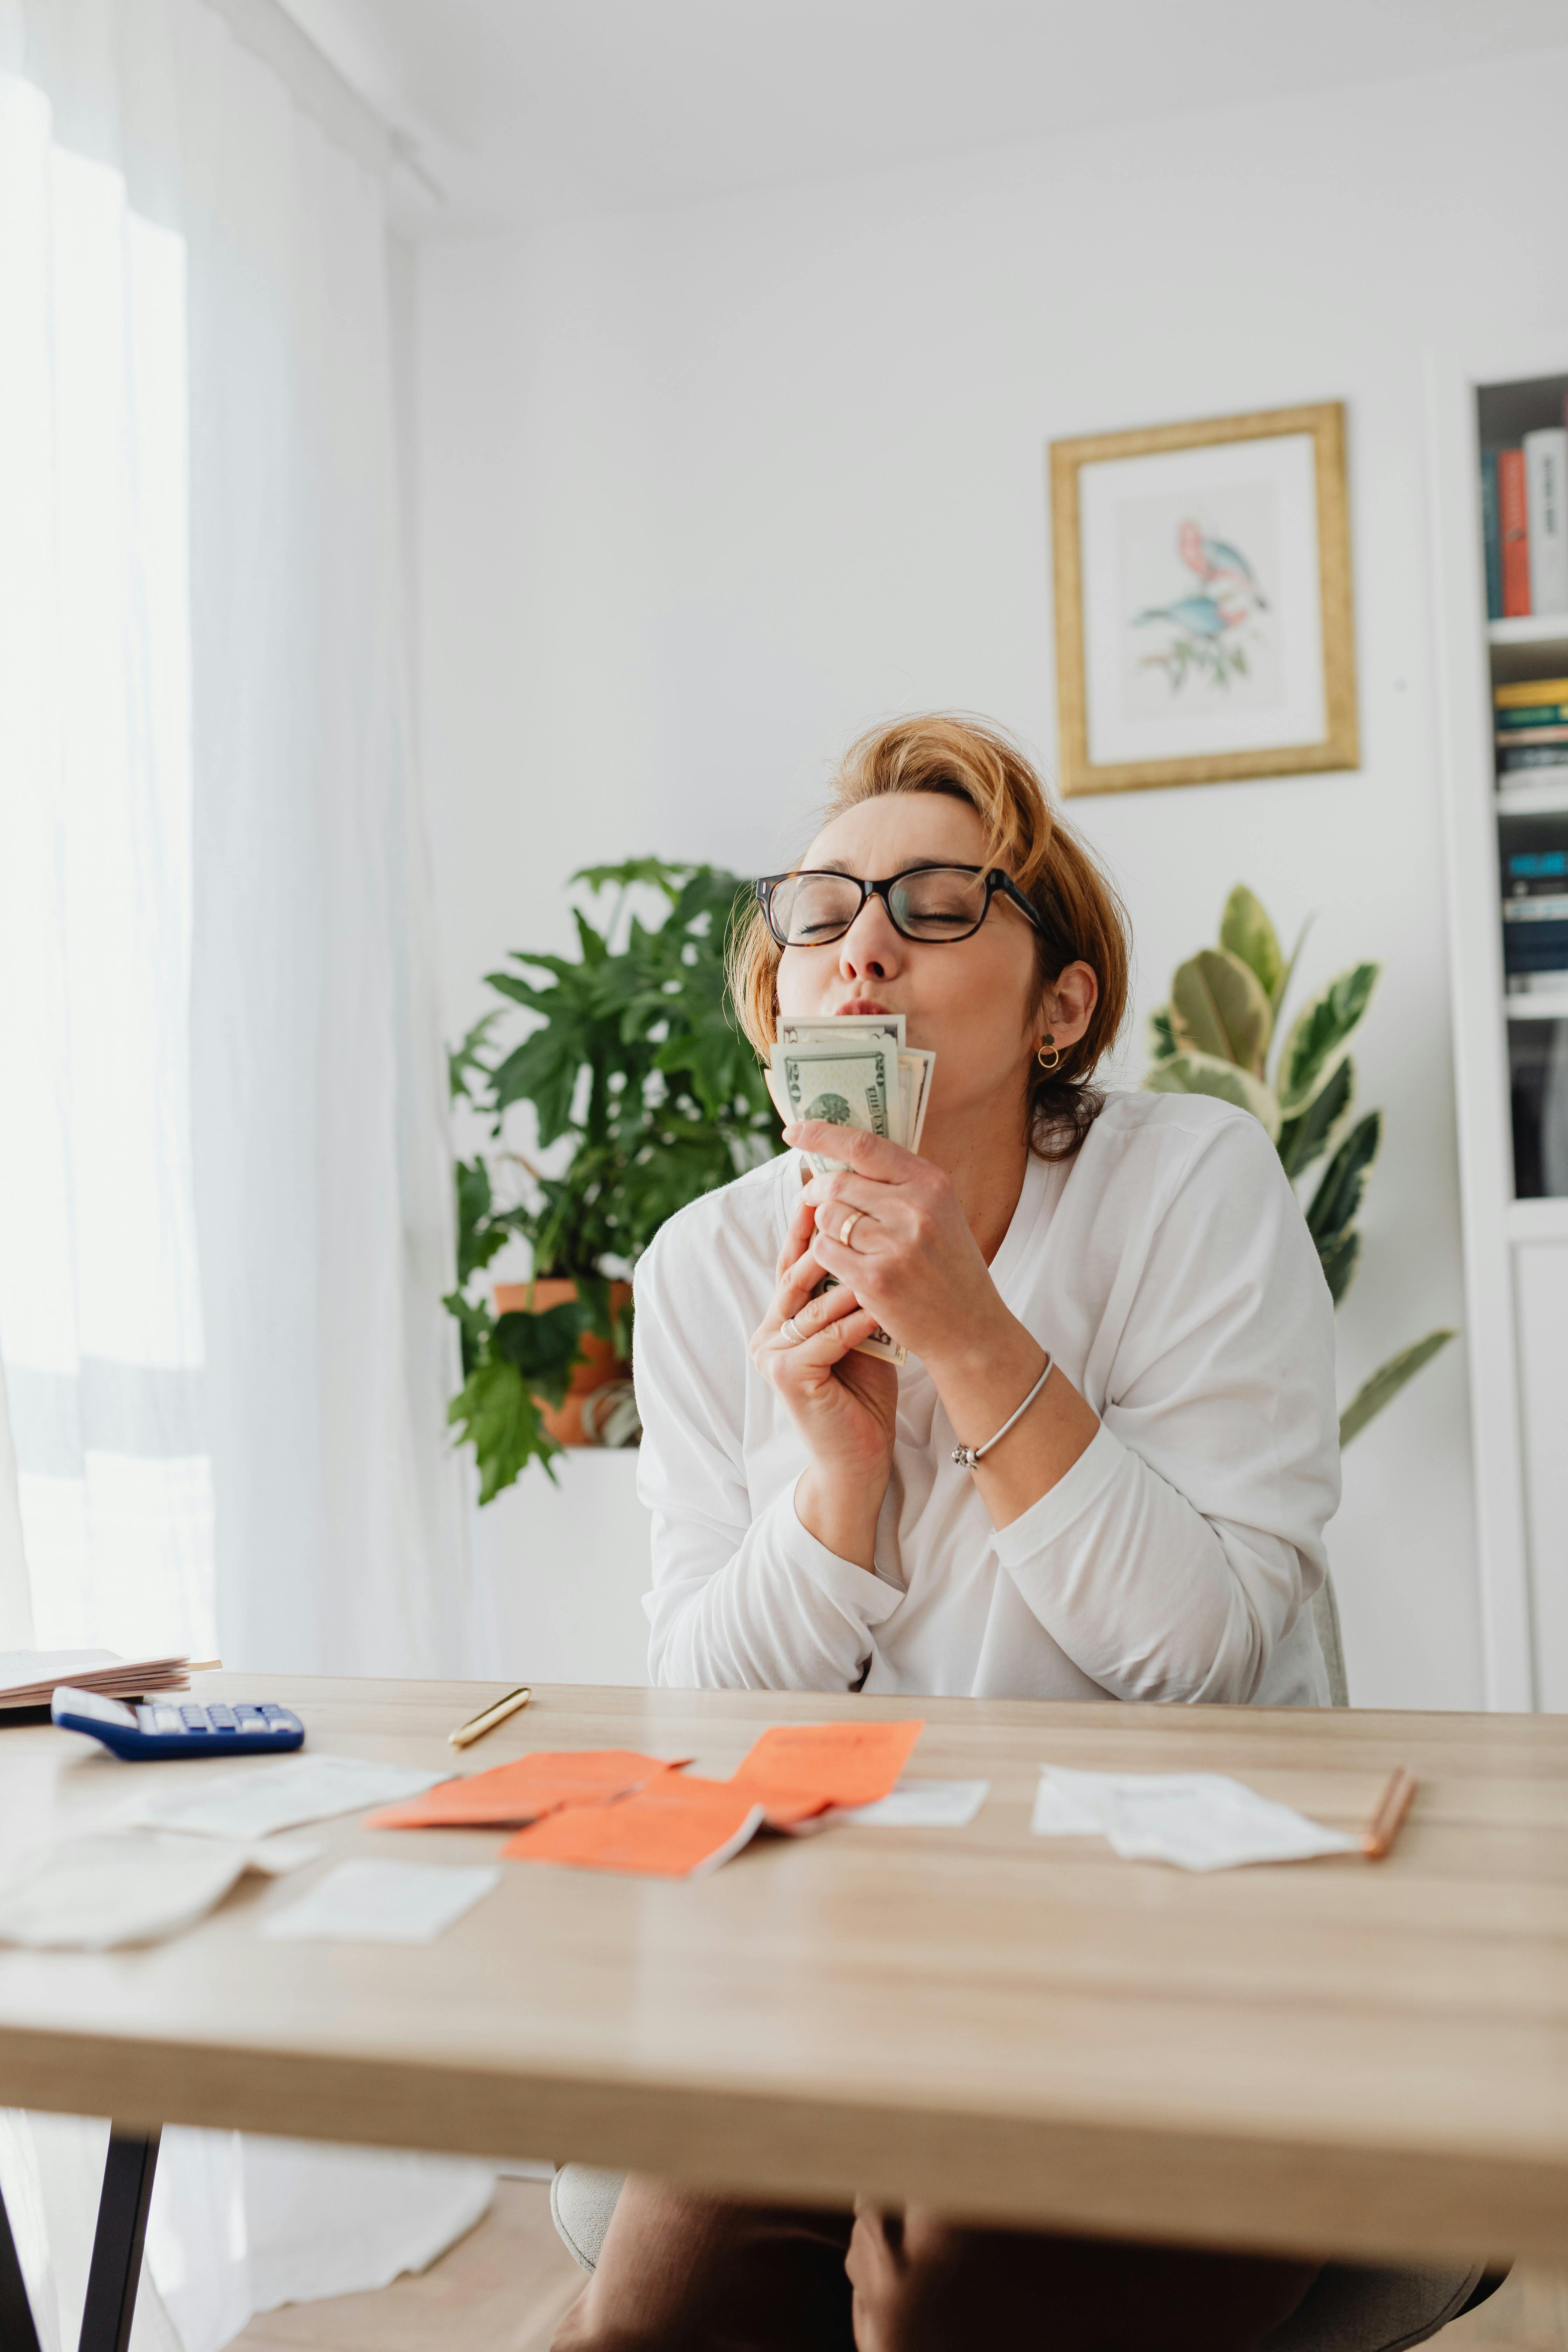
<point x="684" y="2273"/>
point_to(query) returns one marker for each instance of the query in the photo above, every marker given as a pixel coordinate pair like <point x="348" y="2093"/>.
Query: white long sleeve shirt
<point x="1168" y="1270"/>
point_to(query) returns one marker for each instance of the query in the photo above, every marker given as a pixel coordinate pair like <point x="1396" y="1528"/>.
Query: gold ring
<point x="851" y="1222"/>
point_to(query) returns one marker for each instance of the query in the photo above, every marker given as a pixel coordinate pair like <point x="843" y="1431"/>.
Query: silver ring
<point x="851" y="1222"/>
<point x="790" y="1329"/>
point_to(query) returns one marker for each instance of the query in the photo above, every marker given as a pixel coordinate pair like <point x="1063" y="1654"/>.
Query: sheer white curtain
<point x="99" y="1316"/>
<point x="219" y="1040"/>
<point x="224" y="1180"/>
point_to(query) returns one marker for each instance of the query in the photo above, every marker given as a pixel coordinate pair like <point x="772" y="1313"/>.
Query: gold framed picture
<point x="1205" y="629"/>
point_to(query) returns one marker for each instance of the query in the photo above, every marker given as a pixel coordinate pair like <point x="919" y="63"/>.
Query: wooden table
<point x="1331" y="2057"/>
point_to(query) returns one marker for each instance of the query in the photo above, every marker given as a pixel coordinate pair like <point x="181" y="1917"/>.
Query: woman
<point x="1103" y="1473"/>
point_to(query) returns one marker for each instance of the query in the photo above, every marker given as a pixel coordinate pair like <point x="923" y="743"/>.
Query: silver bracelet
<point x="966" y="1456"/>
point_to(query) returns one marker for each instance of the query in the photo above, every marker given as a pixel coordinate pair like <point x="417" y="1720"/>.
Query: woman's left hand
<point x="911" y="1256"/>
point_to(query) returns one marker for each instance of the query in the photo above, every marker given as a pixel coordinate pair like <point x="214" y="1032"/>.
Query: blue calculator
<point x="177" y="1727"/>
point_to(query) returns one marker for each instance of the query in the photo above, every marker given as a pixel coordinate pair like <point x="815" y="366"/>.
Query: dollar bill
<point x="915" y="1067"/>
<point x="828" y="1029"/>
<point x="903" y="1092"/>
<point x="855" y="1089"/>
<point x="858" y="1087"/>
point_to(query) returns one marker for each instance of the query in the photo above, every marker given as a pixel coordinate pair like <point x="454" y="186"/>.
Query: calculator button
<point x="282" y="1719"/>
<point x="194" y="1719"/>
<point x="221" y="1718"/>
<point x="166" y="1718"/>
<point x="146" y="1719"/>
<point x="251" y="1718"/>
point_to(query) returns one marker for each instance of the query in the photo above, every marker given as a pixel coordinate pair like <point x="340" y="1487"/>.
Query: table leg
<point x="116" y="2270"/>
<point x="17" y="2328"/>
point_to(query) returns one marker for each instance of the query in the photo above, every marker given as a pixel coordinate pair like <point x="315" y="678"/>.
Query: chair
<point x="1353" y="2306"/>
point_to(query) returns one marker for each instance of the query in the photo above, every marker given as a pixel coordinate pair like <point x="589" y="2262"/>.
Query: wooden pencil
<point x="1389" y="1818"/>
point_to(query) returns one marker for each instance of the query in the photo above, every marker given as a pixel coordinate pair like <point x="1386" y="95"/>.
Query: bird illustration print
<point x="1209" y="628"/>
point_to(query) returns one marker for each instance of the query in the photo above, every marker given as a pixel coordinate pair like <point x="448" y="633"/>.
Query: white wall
<point x="705" y="491"/>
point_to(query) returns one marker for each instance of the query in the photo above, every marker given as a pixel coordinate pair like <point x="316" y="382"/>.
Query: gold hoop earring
<point x="1047" y="1062"/>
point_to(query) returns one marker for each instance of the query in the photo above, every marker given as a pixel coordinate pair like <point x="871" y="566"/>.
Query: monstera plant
<point x="643" y="1095"/>
<point x="1221" y="1034"/>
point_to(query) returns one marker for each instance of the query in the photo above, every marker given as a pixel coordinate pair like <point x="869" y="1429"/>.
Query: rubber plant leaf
<point x="1318" y="1033"/>
<point x="1217" y="1007"/>
<point x="1161" y="1035"/>
<point x="1305" y="1138"/>
<point x="1338" y="1197"/>
<point x="1209" y="1074"/>
<point x="1245" y="929"/>
<point x="1338" y="1260"/>
<point x="1385" y="1383"/>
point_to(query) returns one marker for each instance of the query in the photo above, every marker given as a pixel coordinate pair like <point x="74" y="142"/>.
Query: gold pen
<point x="477" y="1725"/>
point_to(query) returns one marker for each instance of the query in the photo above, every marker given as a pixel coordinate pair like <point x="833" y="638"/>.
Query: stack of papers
<point x="612" y="1808"/>
<point x="679" y="1826"/>
<point x="801" y="1773"/>
<point x="30" y="1677"/>
<point x="1198" y="1820"/>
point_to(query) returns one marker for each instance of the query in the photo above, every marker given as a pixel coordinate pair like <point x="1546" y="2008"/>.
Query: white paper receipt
<point x="251" y="1800"/>
<point x="90" y="1893"/>
<point x="922" y="1805"/>
<point x="381" y="1903"/>
<point x="1199" y="1821"/>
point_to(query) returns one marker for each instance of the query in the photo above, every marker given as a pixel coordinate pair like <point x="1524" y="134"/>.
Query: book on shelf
<point x="1546" y="504"/>
<point x="1492" y="534"/>
<point x="1535" y="936"/>
<point x="1535" y="904"/>
<point x="1531" y="725"/>
<point x="1524" y="524"/>
<point x="1513" y="534"/>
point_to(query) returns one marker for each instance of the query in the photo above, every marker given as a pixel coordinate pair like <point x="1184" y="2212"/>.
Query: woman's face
<point x="974" y="1003"/>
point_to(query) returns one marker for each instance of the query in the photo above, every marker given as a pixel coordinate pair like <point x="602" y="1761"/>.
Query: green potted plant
<point x="644" y="1097"/>
<point x="1220" y="1034"/>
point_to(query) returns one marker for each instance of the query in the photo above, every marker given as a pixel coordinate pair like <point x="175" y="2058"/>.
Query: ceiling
<point x="522" y="111"/>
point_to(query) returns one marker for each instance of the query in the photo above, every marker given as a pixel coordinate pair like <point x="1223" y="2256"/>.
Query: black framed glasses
<point x="811" y="908"/>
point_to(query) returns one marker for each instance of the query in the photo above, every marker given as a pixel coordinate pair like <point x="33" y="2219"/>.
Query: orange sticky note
<point x="526" y="1789"/>
<point x="676" y="1827"/>
<point x="800" y="1769"/>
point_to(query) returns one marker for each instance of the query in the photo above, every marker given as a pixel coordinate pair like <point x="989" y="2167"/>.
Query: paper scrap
<point x="1070" y="1805"/>
<point x="509" y="1794"/>
<point x="381" y="1903"/>
<point x="128" y="1886"/>
<point x="800" y="1769"/>
<point x="251" y="1800"/>
<point x="1198" y="1820"/>
<point x="920" y="1805"/>
<point x="679" y="1826"/>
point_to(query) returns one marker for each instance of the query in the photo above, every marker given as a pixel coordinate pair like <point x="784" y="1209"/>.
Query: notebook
<point x="28" y="1677"/>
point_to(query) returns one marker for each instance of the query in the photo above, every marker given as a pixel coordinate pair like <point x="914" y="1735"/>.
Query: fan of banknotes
<point x="853" y="1069"/>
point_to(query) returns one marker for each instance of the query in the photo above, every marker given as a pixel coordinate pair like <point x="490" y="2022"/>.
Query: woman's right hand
<point x="844" y="1405"/>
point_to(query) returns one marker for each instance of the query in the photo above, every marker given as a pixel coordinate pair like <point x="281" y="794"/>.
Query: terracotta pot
<point x="600" y="1365"/>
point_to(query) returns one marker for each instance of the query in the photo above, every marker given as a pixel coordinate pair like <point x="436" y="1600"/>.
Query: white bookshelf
<point x="1516" y="1238"/>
